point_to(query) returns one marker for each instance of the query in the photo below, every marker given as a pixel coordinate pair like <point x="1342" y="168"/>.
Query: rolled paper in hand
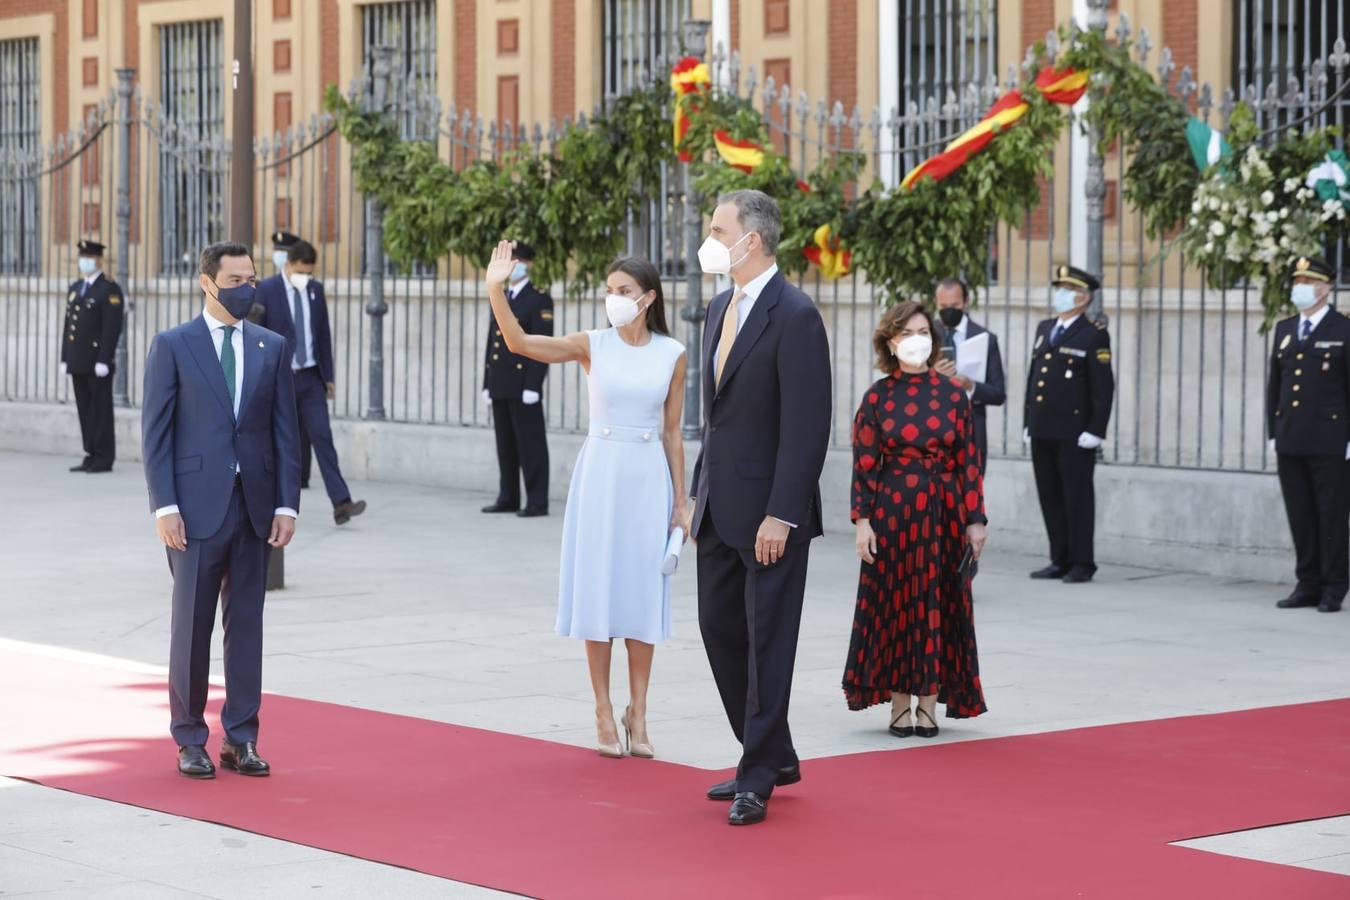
<point x="673" y="548"/>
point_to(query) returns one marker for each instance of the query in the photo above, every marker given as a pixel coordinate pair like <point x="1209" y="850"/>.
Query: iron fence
<point x="1190" y="362"/>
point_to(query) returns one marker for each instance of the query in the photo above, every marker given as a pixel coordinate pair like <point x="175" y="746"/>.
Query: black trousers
<point x="94" y="403"/>
<point x="750" y="616"/>
<point x="1317" y="499"/>
<point x="1068" y="502"/>
<point x="522" y="448"/>
<point x="311" y="406"/>
<point x="231" y="565"/>
<point x="306" y="455"/>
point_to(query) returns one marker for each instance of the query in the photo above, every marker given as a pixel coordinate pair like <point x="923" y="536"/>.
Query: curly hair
<point x="891" y="322"/>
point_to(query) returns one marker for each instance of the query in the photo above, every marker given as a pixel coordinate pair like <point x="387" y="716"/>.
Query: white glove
<point x="63" y="370"/>
<point x="1347" y="451"/>
<point x="529" y="398"/>
<point x="1026" y="437"/>
<point x="1089" y="441"/>
<point x="487" y="397"/>
<point x="100" y="370"/>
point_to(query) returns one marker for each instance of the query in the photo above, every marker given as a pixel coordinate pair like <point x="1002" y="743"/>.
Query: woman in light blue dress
<point x="627" y="488"/>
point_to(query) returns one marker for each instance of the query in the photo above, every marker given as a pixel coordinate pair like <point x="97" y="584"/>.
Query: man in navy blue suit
<point x="756" y="505"/>
<point x="294" y="307"/>
<point x="219" y="437"/>
<point x="952" y="298"/>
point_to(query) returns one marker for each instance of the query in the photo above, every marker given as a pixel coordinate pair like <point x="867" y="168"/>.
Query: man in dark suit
<point x="294" y="307"/>
<point x="1308" y="420"/>
<point x="513" y="386"/>
<point x="282" y="241"/>
<point x="952" y="298"/>
<point x="756" y="495"/>
<point x="1070" y="389"/>
<point x="219" y="439"/>
<point x="94" y="310"/>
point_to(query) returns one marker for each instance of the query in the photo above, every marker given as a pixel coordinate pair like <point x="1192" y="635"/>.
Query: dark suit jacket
<point x="274" y="295"/>
<point x="1070" y="387"/>
<point x="93" y="325"/>
<point x="990" y="392"/>
<point x="506" y="375"/>
<point x="767" y="426"/>
<point x="191" y="441"/>
<point x="1308" y="396"/>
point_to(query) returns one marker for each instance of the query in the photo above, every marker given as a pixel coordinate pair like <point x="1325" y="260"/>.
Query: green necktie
<point x="227" y="361"/>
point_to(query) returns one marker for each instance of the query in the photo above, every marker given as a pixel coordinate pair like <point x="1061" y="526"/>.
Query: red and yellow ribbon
<point x="1064" y="86"/>
<point x="745" y="155"/>
<point x="688" y="76"/>
<point x="827" y="256"/>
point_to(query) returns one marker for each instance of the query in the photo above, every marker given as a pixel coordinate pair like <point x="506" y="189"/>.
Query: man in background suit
<point x="294" y="307"/>
<point x="219" y="440"/>
<point x="756" y="497"/>
<point x="952" y="298"/>
<point x="94" y="311"/>
<point x="513" y="385"/>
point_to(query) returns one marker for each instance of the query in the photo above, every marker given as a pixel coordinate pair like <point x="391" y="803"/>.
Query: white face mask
<point x="87" y="266"/>
<point x="914" y="350"/>
<point x="621" y="310"/>
<point x="1065" y="300"/>
<point x="299" y="281"/>
<point x="1303" y="296"/>
<point x="279" y="258"/>
<point x="715" y="257"/>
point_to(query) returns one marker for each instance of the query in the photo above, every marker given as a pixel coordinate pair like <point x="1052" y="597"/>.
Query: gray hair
<point x="758" y="212"/>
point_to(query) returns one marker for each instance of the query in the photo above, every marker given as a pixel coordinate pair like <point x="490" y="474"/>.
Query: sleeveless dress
<point x="620" y="501"/>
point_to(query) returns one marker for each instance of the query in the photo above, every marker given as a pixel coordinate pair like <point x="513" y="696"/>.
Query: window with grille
<point x="640" y="36"/>
<point x="193" y="166"/>
<point x="1276" y="40"/>
<point x="946" y="45"/>
<point x="20" y="131"/>
<point x="409" y="27"/>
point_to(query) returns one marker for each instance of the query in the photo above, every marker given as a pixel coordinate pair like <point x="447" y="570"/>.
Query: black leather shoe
<point x="1049" y="572"/>
<point x="82" y="467"/>
<point x="902" y="731"/>
<point x="1297" y="600"/>
<point x="1078" y="575"/>
<point x="97" y="470"/>
<point x="922" y="731"/>
<point x="345" y="512"/>
<point x="244" y="759"/>
<point x="194" y="763"/>
<point x="501" y="508"/>
<point x="726" y="790"/>
<point x="1329" y="604"/>
<point x="748" y="809"/>
<point x="532" y="513"/>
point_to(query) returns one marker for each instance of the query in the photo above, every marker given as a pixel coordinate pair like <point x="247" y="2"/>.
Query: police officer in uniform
<point x="1068" y="403"/>
<point x="89" y="352"/>
<point x="514" y="385"/>
<point x="1308" y="419"/>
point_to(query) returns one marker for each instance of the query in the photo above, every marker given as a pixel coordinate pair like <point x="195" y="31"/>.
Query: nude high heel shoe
<point x="640" y="750"/>
<point x="610" y="751"/>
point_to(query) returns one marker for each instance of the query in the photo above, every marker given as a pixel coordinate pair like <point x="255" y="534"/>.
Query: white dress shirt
<point x="217" y="328"/>
<point x="89" y="281"/>
<point x="308" y="336"/>
<point x="1316" y="319"/>
<point x="513" y="291"/>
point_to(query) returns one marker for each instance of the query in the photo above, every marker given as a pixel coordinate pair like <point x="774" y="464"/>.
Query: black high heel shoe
<point x="923" y="732"/>
<point x="903" y="731"/>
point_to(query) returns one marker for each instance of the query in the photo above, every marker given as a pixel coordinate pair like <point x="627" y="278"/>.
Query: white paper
<point x="972" y="357"/>
<point x="673" y="548"/>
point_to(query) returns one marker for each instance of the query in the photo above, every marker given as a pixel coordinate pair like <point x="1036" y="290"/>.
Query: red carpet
<point x="1085" y="813"/>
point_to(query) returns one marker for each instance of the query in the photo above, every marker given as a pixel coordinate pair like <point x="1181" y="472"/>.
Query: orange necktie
<point x="728" y="337"/>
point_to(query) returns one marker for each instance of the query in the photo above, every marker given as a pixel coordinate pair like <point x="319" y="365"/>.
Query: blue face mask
<point x="87" y="266"/>
<point x="1065" y="300"/>
<point x="1303" y="296"/>
<point x="238" y="301"/>
<point x="520" y="272"/>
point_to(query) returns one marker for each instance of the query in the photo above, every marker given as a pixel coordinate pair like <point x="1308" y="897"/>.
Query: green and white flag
<point x="1328" y="178"/>
<point x="1207" y="144"/>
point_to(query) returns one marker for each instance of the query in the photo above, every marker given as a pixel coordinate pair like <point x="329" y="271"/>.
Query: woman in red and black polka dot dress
<point x="917" y="500"/>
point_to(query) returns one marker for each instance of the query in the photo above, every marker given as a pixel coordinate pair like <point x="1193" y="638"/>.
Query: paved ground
<point x="427" y="608"/>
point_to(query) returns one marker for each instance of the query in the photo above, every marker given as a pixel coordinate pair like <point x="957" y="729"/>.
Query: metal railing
<point x="410" y="347"/>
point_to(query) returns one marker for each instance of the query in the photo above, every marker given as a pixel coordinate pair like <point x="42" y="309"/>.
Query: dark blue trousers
<point x="311" y="404"/>
<point x="231" y="565"/>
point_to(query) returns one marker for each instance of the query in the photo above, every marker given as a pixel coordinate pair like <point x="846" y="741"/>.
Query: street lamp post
<point x="695" y="44"/>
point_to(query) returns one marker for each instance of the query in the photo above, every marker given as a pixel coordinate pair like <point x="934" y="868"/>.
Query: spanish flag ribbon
<point x="826" y="255"/>
<point x="688" y="76"/>
<point x="744" y="155"/>
<point x="1064" y="86"/>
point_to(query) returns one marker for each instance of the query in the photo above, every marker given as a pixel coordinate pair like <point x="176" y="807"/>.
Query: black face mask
<point x="951" y="316"/>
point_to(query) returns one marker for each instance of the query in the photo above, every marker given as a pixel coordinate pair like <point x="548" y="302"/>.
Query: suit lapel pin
<point x="260" y="345"/>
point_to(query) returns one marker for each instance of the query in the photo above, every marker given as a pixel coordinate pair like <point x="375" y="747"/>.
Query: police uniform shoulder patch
<point x="114" y="299"/>
<point x="1104" y="355"/>
<point x="1040" y="339"/>
<point x="71" y="297"/>
<point x="1100" y="326"/>
<point x="1285" y="343"/>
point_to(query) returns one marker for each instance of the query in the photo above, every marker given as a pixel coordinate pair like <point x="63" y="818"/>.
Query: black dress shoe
<point x="920" y="730"/>
<point x="345" y="512"/>
<point x="304" y="485"/>
<point x="902" y="731"/>
<point x="96" y="470"/>
<point x="194" y="763"/>
<point x="82" y="467"/>
<point x="501" y="508"/>
<point x="244" y="759"/>
<point x="1078" y="575"/>
<point x="1329" y="604"/>
<point x="532" y="513"/>
<point x="748" y="809"/>
<point x="726" y="790"/>
<point x="1049" y="572"/>
<point x="1297" y="600"/>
